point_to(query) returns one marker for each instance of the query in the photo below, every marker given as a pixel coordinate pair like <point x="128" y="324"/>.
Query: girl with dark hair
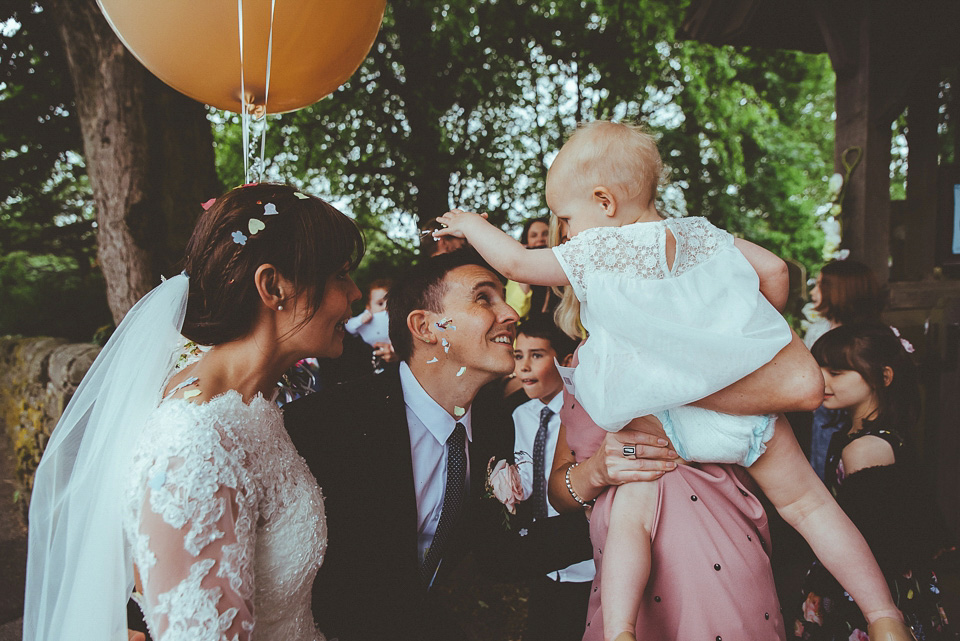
<point x="182" y="484"/>
<point x="846" y="291"/>
<point x="870" y="470"/>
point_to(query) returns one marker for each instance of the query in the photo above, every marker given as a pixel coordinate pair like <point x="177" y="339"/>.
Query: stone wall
<point x="38" y="376"/>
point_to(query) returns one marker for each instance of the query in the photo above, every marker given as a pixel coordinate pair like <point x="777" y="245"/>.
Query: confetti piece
<point x="462" y="370"/>
<point x="446" y="345"/>
<point x="300" y="196"/>
<point x="254" y="225"/>
<point x="458" y="411"/>
<point x="190" y="381"/>
<point x="157" y="481"/>
<point x="441" y="327"/>
<point x="191" y="393"/>
<point x="239" y="238"/>
<point x="207" y="205"/>
<point x="270" y="210"/>
<point x="432" y="360"/>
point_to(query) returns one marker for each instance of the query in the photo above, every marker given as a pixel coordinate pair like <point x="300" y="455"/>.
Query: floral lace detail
<point x="226" y="523"/>
<point x="697" y="241"/>
<point x="637" y="250"/>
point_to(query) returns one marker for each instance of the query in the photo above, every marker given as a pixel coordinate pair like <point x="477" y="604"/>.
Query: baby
<point x="676" y="309"/>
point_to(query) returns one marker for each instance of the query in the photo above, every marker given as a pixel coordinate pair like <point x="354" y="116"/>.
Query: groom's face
<point x="485" y="324"/>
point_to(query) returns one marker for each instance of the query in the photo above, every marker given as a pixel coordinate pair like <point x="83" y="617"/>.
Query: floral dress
<point x="903" y="527"/>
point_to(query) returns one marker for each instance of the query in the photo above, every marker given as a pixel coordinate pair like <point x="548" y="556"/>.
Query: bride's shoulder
<point x="225" y="422"/>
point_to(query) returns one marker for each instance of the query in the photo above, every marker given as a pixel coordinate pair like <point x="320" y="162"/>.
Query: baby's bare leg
<point x="627" y="557"/>
<point x="785" y="476"/>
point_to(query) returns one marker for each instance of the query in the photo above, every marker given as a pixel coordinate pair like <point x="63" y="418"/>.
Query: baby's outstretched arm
<point x="504" y="254"/>
<point x="774" y="277"/>
<point x="785" y="476"/>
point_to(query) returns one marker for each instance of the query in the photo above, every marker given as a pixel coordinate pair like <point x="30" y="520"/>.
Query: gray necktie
<point x="452" y="501"/>
<point x="539" y="496"/>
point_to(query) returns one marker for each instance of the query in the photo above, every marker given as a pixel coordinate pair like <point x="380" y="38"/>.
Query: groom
<point x="401" y="458"/>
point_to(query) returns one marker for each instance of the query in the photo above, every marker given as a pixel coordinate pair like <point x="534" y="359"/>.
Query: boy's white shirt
<point x="526" y="422"/>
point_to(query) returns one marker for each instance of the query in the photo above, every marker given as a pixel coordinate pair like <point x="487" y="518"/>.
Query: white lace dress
<point x="663" y="337"/>
<point x="226" y="523"/>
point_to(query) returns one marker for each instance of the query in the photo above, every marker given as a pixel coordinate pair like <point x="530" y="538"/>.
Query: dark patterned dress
<point x="903" y="527"/>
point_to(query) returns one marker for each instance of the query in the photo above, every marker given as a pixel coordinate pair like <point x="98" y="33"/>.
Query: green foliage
<point x="48" y="281"/>
<point x="48" y="295"/>
<point x="466" y="102"/>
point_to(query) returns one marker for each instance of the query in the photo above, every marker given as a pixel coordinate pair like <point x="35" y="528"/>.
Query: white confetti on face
<point x="458" y="411"/>
<point x="446" y="345"/>
<point x="462" y="370"/>
<point x="432" y="360"/>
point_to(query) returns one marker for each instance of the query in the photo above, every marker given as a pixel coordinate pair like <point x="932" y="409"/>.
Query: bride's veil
<point x="79" y="567"/>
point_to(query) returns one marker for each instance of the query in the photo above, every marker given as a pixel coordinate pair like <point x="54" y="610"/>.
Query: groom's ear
<point x="420" y="326"/>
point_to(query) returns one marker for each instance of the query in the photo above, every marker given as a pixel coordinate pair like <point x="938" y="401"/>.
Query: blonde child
<point x="676" y="309"/>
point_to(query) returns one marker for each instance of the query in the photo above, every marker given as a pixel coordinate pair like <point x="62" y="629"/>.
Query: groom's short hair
<point x="423" y="287"/>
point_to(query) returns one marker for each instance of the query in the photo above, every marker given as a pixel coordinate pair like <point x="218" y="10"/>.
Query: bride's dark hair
<point x="307" y="240"/>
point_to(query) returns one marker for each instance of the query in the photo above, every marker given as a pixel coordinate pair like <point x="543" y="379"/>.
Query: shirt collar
<point x="433" y="417"/>
<point x="555" y="404"/>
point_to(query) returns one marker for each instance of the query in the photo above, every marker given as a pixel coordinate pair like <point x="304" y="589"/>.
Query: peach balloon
<point x="194" y="46"/>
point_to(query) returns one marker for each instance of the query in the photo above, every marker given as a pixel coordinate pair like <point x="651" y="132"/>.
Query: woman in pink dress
<point x="711" y="573"/>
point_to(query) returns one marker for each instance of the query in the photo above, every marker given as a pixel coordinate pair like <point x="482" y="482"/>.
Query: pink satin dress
<point x="711" y="577"/>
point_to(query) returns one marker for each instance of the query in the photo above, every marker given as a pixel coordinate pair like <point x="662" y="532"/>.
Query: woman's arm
<point x="773" y="273"/>
<point x="791" y="382"/>
<point x="607" y="466"/>
<point x="504" y="254"/>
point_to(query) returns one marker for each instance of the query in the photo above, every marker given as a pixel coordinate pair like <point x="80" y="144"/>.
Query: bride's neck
<point x="247" y="365"/>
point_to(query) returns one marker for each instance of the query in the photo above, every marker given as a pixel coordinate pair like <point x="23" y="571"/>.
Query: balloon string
<point x="266" y="91"/>
<point x="244" y="117"/>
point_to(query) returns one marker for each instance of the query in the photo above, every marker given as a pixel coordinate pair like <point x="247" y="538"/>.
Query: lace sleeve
<point x="194" y="543"/>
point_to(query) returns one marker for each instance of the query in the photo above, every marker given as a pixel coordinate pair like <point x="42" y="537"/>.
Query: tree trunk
<point x="148" y="151"/>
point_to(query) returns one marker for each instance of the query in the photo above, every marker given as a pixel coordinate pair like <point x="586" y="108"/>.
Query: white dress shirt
<point x="376" y="330"/>
<point x="430" y="426"/>
<point x="526" y="423"/>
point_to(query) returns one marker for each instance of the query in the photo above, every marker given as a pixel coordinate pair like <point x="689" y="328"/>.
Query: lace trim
<point x="639" y="250"/>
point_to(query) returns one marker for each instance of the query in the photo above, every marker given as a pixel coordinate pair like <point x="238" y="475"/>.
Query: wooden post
<point x="922" y="168"/>
<point x="861" y="126"/>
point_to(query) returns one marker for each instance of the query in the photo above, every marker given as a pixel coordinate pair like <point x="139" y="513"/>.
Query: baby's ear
<point x="566" y="360"/>
<point x="605" y="199"/>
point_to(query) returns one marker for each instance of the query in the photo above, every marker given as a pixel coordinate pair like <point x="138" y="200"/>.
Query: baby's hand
<point x="457" y="222"/>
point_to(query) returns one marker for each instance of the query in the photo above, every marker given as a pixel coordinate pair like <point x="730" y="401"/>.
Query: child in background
<point x="675" y="312"/>
<point x="876" y="481"/>
<point x="845" y="292"/>
<point x="557" y="607"/>
<point x="372" y="325"/>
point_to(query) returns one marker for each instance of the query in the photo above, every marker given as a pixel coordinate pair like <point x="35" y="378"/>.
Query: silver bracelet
<point x="576" y="497"/>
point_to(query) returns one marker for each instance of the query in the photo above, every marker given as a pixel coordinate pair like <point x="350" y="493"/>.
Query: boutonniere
<point x="503" y="484"/>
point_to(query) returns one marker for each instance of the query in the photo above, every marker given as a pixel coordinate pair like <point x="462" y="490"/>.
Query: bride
<point x="180" y="486"/>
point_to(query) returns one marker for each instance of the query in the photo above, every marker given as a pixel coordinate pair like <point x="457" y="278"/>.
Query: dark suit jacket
<point x="356" y="441"/>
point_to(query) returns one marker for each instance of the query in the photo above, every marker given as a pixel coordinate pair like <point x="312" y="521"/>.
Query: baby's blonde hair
<point x="620" y="156"/>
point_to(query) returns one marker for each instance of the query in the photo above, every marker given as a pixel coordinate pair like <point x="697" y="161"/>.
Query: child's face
<point x="378" y="300"/>
<point x="815" y="295"/>
<point x="847" y="389"/>
<point x="575" y="206"/>
<point x="535" y="367"/>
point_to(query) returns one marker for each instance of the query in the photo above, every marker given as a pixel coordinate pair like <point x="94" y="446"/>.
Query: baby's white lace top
<point x="226" y="523"/>
<point x="663" y="336"/>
